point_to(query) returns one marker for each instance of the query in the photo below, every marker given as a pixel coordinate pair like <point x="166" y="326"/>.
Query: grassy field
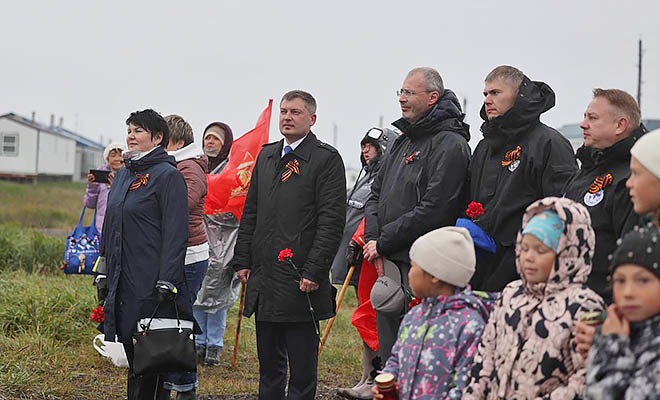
<point x="45" y="326"/>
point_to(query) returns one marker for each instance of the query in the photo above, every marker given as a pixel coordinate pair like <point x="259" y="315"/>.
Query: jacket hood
<point x="534" y="98"/>
<point x="619" y="151"/>
<point x="481" y="302"/>
<point x="382" y="144"/>
<point x="445" y="115"/>
<point x="224" y="152"/>
<point x="576" y="245"/>
<point x="156" y="156"/>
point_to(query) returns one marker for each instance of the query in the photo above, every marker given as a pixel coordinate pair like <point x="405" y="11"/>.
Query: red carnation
<point x="285" y="255"/>
<point x="474" y="210"/>
<point x="98" y="315"/>
<point x="414" y="302"/>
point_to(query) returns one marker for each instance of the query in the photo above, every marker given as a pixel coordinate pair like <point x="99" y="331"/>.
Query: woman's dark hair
<point x="152" y="122"/>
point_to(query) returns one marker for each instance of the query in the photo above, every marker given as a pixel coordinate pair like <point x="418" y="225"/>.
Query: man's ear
<point x="313" y="119"/>
<point x="622" y="125"/>
<point x="435" y="96"/>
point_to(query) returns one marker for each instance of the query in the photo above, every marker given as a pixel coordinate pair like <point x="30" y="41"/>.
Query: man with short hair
<point x="519" y="161"/>
<point x="611" y="126"/>
<point x="297" y="202"/>
<point x="420" y="186"/>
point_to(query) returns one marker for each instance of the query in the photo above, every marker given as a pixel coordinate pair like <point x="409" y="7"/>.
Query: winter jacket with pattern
<point x="305" y="213"/>
<point x="144" y="240"/>
<point x="436" y="344"/>
<point x="422" y="182"/>
<point x="544" y="163"/>
<point x="528" y="349"/>
<point x="611" y="210"/>
<point x="626" y="367"/>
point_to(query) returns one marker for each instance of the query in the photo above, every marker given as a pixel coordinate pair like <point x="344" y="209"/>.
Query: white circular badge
<point x="591" y="199"/>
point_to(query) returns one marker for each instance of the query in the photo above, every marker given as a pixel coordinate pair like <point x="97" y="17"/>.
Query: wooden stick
<point x="238" y="324"/>
<point x="340" y="298"/>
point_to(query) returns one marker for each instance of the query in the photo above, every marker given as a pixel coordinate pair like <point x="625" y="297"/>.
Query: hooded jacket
<point x="611" y="210"/>
<point x="192" y="163"/>
<point x="544" y="164"/>
<point x="144" y="240"/>
<point x="528" y="349"/>
<point x="626" y="367"/>
<point x="355" y="203"/>
<point x="422" y="182"/>
<point x="437" y="341"/>
<point x="214" y="162"/>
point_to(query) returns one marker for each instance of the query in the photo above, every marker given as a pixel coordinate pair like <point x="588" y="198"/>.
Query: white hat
<point x="210" y="132"/>
<point x="447" y="254"/>
<point x="647" y="151"/>
<point x="112" y="146"/>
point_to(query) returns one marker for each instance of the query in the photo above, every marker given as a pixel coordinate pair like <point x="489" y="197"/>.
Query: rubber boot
<point x="362" y="390"/>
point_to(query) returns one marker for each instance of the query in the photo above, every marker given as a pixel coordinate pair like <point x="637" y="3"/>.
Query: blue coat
<point x="144" y="240"/>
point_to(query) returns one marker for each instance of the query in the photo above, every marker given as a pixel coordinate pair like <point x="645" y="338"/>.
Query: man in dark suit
<point x="296" y="201"/>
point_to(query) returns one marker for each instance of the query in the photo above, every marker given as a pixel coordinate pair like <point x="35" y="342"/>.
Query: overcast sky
<point x="92" y="63"/>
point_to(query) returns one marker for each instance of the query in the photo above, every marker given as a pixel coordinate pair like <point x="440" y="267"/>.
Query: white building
<point x="31" y="150"/>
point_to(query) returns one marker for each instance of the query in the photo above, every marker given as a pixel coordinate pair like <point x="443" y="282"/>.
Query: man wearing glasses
<point x="421" y="184"/>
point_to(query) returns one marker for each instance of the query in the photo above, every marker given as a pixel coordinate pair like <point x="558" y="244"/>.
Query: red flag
<point x="364" y="317"/>
<point x="228" y="189"/>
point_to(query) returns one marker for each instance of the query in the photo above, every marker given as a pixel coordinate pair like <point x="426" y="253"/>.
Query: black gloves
<point x="354" y="254"/>
<point x="165" y="291"/>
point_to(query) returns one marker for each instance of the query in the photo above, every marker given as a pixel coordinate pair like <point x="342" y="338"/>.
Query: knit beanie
<point x="113" y="146"/>
<point x="547" y="227"/>
<point x="647" y="151"/>
<point x="447" y="254"/>
<point x="641" y="247"/>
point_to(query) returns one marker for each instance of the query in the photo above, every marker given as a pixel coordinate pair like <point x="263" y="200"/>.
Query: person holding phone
<point x="96" y="195"/>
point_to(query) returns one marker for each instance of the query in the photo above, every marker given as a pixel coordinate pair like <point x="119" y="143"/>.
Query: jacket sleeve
<point x="195" y="182"/>
<point x="371" y="228"/>
<point x="173" y="203"/>
<point x="574" y="388"/>
<point x="468" y="342"/>
<point x="558" y="167"/>
<point x="92" y="194"/>
<point x="611" y="367"/>
<point x="447" y="171"/>
<point x="330" y="219"/>
<point x="483" y="369"/>
<point x="242" y="250"/>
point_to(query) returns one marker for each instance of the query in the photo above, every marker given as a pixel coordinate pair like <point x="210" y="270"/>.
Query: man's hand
<point x="308" y="286"/>
<point x="353" y="254"/>
<point x="615" y="324"/>
<point x="584" y="336"/>
<point x="165" y="291"/>
<point x="378" y="263"/>
<point x="243" y="275"/>
<point x="371" y="251"/>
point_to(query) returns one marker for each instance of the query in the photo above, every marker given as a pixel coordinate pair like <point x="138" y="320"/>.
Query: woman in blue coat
<point x="144" y="241"/>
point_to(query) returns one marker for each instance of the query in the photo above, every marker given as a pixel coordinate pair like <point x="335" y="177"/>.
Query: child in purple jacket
<point x="438" y="338"/>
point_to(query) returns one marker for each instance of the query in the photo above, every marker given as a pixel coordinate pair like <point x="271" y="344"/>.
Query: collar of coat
<point x="619" y="151"/>
<point x="303" y="151"/>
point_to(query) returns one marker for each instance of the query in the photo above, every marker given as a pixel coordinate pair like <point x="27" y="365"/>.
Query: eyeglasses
<point x="407" y="92"/>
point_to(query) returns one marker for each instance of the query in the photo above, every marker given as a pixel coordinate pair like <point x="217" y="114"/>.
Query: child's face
<point x="420" y="281"/>
<point x="644" y="188"/>
<point x="636" y="292"/>
<point x="536" y="259"/>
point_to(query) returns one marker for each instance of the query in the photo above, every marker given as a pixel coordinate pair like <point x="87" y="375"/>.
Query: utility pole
<point x="380" y="121"/>
<point x="639" y="75"/>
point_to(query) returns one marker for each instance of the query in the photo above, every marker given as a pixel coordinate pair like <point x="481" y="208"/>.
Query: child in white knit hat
<point x="644" y="181"/>
<point x="438" y="338"/>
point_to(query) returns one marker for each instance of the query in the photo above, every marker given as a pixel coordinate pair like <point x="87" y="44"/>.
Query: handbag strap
<point x="176" y="310"/>
<point x="82" y="215"/>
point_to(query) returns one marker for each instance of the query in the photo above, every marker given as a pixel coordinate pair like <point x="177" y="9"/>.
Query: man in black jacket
<point x="421" y="183"/>
<point x="296" y="201"/>
<point x="611" y="126"/>
<point x="519" y="161"/>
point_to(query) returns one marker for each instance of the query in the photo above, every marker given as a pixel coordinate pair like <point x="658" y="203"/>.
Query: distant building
<point x="574" y="134"/>
<point x="30" y="150"/>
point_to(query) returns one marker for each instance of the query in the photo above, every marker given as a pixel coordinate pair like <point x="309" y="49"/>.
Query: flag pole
<point x="340" y="298"/>
<point x="238" y="325"/>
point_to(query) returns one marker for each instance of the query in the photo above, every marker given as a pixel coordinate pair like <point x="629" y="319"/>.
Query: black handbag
<point x="161" y="350"/>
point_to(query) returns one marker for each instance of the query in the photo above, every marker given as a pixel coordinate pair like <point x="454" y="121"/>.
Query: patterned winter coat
<point x="626" y="367"/>
<point x="437" y="342"/>
<point x="528" y="348"/>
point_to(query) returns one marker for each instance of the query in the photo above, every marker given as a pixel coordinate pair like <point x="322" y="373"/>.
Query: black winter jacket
<point x="145" y="234"/>
<point x="423" y="180"/>
<point x="304" y="213"/>
<point x="611" y="210"/>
